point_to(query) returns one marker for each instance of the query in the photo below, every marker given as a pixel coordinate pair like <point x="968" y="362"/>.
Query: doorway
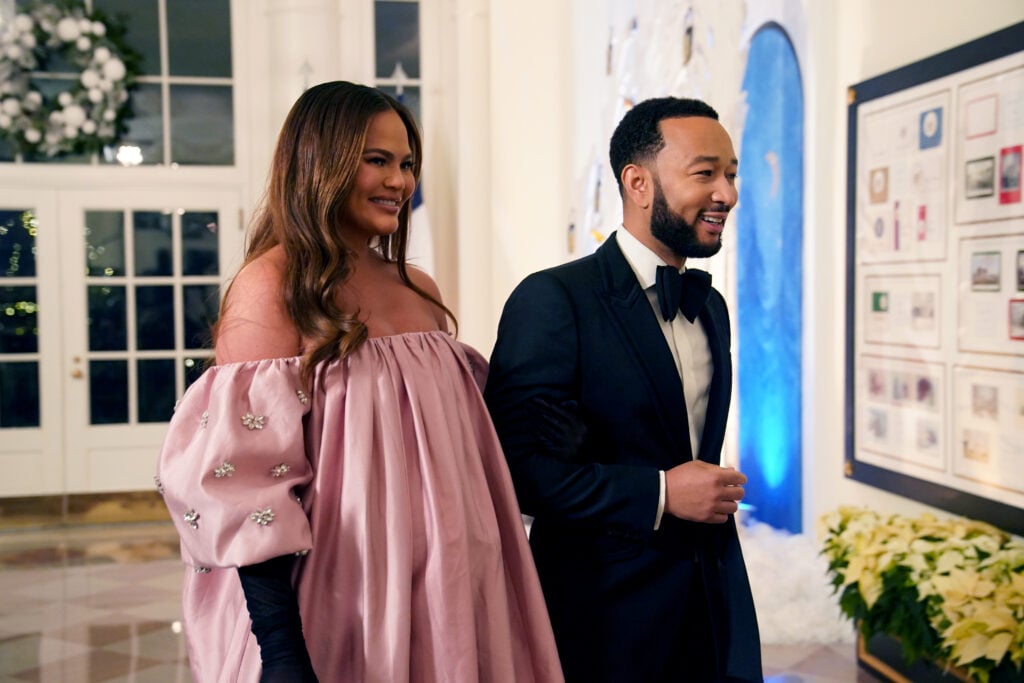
<point x="103" y="324"/>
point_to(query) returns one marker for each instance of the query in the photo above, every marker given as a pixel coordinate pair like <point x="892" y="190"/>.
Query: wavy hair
<point x="312" y="175"/>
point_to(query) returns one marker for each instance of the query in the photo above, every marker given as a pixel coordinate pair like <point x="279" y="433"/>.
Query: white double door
<point x="106" y="301"/>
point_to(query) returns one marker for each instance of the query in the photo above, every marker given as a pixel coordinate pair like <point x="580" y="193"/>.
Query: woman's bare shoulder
<point x="259" y="276"/>
<point x="426" y="283"/>
<point x="422" y="279"/>
<point x="254" y="323"/>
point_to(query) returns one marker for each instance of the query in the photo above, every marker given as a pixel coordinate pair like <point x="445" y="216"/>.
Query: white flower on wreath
<point x="91" y="112"/>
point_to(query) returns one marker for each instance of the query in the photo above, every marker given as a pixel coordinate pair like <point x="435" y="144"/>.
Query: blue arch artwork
<point x="769" y="281"/>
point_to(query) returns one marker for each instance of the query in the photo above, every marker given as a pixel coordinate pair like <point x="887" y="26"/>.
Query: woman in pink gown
<point x="344" y="507"/>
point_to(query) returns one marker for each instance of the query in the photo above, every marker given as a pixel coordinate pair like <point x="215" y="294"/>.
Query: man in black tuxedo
<point x="611" y="408"/>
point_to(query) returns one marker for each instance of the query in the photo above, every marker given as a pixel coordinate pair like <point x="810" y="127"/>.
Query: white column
<point x="530" y="62"/>
<point x="355" y="50"/>
<point x="287" y="46"/>
<point x="439" y="64"/>
<point x="472" y="164"/>
<point x="303" y="50"/>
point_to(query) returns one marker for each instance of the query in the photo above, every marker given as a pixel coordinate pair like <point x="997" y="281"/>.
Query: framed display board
<point x="935" y="281"/>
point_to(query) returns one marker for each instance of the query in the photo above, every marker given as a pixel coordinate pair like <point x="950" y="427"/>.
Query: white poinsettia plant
<point x="950" y="590"/>
<point x="91" y="110"/>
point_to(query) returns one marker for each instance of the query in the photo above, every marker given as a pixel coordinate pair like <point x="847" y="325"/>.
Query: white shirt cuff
<point x="661" y="499"/>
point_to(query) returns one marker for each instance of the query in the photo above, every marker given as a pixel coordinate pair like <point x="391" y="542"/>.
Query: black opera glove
<point x="274" y="610"/>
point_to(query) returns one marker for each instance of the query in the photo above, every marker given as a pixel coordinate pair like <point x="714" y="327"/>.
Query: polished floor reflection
<point x="92" y="604"/>
<point x="89" y="604"/>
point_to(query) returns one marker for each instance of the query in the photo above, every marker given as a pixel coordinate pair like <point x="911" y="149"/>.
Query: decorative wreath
<point x="93" y="111"/>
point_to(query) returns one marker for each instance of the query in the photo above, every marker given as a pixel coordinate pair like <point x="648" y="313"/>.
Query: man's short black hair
<point x="638" y="137"/>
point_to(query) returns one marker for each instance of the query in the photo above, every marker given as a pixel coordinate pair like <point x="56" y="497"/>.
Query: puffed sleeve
<point x="478" y="365"/>
<point x="232" y="460"/>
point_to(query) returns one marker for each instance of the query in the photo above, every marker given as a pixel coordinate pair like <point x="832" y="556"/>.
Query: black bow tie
<point x="687" y="291"/>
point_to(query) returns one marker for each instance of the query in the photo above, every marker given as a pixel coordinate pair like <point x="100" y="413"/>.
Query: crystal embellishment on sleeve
<point x="226" y="469"/>
<point x="191" y="518"/>
<point x="263" y="517"/>
<point x="203" y="419"/>
<point x="303" y="399"/>
<point x="253" y="421"/>
<point x="279" y="470"/>
<point x="159" y="485"/>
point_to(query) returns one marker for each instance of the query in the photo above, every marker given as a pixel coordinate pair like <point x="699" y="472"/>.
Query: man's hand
<point x="701" y="492"/>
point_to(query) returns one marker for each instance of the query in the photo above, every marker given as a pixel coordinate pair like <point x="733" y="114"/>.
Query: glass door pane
<point x="152" y="287"/>
<point x="19" y="326"/>
<point x="29" y="333"/>
<point x="397" y="38"/>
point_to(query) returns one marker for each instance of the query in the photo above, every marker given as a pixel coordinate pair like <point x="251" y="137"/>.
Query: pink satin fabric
<point x="418" y="566"/>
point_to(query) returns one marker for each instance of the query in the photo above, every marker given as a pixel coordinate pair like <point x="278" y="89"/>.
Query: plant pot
<point x="882" y="655"/>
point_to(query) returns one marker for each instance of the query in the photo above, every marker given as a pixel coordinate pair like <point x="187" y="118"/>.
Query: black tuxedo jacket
<point x="583" y="337"/>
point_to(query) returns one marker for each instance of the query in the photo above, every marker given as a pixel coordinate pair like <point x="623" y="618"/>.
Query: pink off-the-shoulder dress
<point x="388" y="481"/>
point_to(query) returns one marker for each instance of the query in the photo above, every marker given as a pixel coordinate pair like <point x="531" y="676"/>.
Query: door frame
<point x="120" y="457"/>
<point x="32" y="457"/>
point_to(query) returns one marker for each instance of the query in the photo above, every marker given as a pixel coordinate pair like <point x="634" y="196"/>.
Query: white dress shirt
<point x="687" y="341"/>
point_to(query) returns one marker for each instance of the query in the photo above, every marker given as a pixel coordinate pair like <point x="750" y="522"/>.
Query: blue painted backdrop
<point x="769" y="275"/>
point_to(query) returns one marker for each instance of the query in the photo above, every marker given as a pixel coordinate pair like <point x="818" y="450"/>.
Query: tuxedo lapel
<point x="715" y="320"/>
<point x="630" y="310"/>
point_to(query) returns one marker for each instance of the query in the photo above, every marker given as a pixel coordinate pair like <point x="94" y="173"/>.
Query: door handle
<point x="76" y="373"/>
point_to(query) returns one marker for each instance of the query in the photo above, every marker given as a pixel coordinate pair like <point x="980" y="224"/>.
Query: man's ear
<point x="637" y="185"/>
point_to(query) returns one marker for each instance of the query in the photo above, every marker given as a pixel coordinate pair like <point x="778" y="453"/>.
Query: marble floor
<point x="100" y="603"/>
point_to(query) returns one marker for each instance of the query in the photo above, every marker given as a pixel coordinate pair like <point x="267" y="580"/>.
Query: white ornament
<point x="74" y="115"/>
<point x="89" y="127"/>
<point x="64" y="99"/>
<point x="67" y="29"/>
<point x="10" y="106"/>
<point x="5" y="120"/>
<point x="83" y="43"/>
<point x="24" y="23"/>
<point x="99" y="29"/>
<point x="101" y="55"/>
<point x="114" y="69"/>
<point x="89" y="78"/>
<point x="32" y="136"/>
<point x="95" y="95"/>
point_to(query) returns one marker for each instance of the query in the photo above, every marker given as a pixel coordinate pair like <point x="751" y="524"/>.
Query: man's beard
<point x="672" y="230"/>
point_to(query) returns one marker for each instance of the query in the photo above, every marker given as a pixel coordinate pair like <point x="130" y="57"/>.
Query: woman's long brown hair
<point x="314" y="168"/>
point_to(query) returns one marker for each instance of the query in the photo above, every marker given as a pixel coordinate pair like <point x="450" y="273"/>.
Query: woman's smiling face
<point x="384" y="180"/>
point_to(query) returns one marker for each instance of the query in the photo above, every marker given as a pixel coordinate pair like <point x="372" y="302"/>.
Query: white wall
<point x="859" y="40"/>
